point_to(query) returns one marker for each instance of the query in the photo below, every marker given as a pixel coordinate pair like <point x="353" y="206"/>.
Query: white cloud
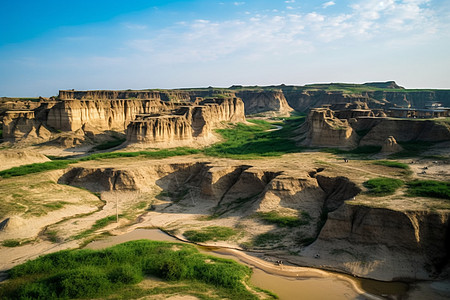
<point x="289" y="1"/>
<point x="239" y="3"/>
<point x="327" y="4"/>
<point x="280" y="33"/>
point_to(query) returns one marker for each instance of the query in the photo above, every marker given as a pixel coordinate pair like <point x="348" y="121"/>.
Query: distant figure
<point x="279" y="262"/>
<point x="317" y="255"/>
<point x="423" y="172"/>
<point x="425" y="168"/>
<point x="345" y="160"/>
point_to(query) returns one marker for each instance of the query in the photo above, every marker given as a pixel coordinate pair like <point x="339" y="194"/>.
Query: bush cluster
<point x="382" y="186"/>
<point x="211" y="233"/>
<point x="98" y="273"/>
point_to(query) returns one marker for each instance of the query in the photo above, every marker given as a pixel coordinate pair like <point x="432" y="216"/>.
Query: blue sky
<point x="99" y="44"/>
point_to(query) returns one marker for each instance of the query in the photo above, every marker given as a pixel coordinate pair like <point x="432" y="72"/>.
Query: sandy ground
<point x="13" y="158"/>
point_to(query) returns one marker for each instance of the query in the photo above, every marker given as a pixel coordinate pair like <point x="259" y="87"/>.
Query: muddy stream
<point x="288" y="282"/>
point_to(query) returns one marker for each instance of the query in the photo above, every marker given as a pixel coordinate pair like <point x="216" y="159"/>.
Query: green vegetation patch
<point x="266" y="239"/>
<point x="35" y="168"/>
<point x="101" y="223"/>
<point x="15" y="243"/>
<point x="360" y="151"/>
<point x="274" y="217"/>
<point x="412" y="149"/>
<point x="429" y="188"/>
<point x="254" y="141"/>
<point x="163" y="153"/>
<point x="99" y="273"/>
<point x="109" y="144"/>
<point x="382" y="186"/>
<point x="392" y="164"/>
<point x="211" y="233"/>
<point x="63" y="163"/>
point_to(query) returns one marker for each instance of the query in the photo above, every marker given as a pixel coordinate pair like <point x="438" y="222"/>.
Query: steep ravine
<point x="378" y="243"/>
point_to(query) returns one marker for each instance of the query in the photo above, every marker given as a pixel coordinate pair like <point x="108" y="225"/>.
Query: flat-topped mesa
<point x="187" y="123"/>
<point x="323" y="129"/>
<point x="71" y="115"/>
<point x="265" y="101"/>
<point x="108" y="95"/>
<point x="159" y="129"/>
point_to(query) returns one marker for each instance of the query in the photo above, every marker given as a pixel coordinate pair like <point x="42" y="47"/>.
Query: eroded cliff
<point x="375" y="242"/>
<point x="187" y="123"/>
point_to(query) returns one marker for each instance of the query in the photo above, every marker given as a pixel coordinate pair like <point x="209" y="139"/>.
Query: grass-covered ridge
<point x="211" y="233"/>
<point x="429" y="188"/>
<point x="62" y="164"/>
<point x="116" y="270"/>
<point x="35" y="168"/>
<point x="382" y="186"/>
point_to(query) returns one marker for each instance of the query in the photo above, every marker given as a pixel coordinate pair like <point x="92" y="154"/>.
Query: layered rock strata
<point x="265" y="101"/>
<point x="349" y="128"/>
<point x="187" y="122"/>
<point x="379" y="243"/>
<point x="323" y="129"/>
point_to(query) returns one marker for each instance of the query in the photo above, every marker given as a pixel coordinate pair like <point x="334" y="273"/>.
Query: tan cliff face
<point x="265" y="101"/>
<point x="323" y="129"/>
<point x="403" y="244"/>
<point x="379" y="243"/>
<point x="22" y="125"/>
<point x="186" y="123"/>
<point x="404" y="130"/>
<point x="71" y="115"/>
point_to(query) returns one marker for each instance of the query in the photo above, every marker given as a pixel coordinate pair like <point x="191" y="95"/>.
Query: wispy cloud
<point x="287" y="33"/>
<point x="327" y="4"/>
<point x="239" y="3"/>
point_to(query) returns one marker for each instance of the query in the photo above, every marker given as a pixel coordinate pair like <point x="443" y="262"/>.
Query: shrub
<point x="98" y="273"/>
<point x="382" y="186"/>
<point x="212" y="233"/>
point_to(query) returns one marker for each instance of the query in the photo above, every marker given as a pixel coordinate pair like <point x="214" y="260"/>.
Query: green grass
<point x="382" y="186"/>
<point x="62" y="164"/>
<point x="254" y="141"/>
<point x="394" y="164"/>
<point x="97" y="225"/>
<point x="164" y="153"/>
<point x="266" y="239"/>
<point x="116" y="270"/>
<point x="211" y="233"/>
<point x="360" y="151"/>
<point x="412" y="149"/>
<point x="11" y="243"/>
<point x="274" y="217"/>
<point x="35" y="168"/>
<point x="109" y="144"/>
<point x="429" y="188"/>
